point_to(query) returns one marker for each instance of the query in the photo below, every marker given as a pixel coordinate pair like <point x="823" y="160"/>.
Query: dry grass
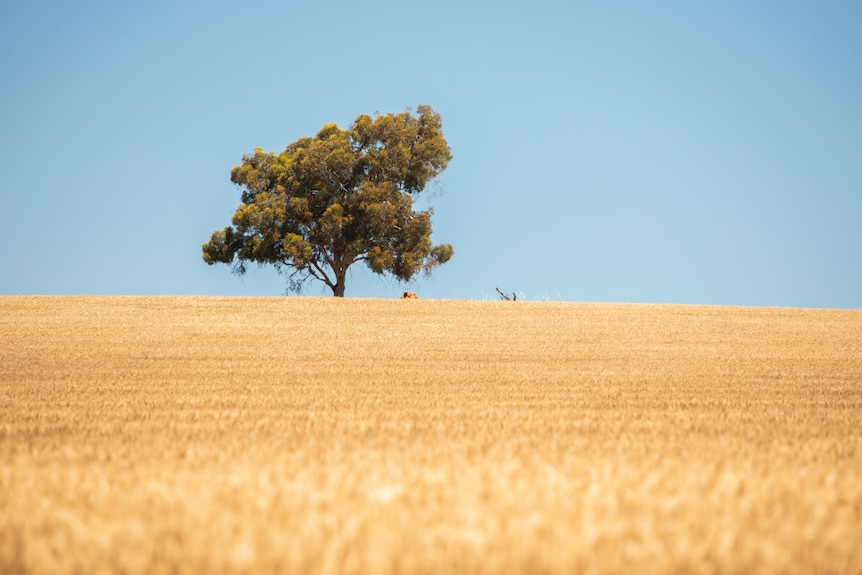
<point x="191" y="435"/>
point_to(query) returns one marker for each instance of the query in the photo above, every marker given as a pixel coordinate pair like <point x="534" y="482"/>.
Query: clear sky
<point x="660" y="152"/>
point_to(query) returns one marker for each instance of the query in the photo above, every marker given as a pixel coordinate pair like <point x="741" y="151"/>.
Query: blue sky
<point x="660" y="152"/>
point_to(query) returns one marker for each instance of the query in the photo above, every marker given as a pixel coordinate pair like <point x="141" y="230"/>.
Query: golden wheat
<point x="291" y="435"/>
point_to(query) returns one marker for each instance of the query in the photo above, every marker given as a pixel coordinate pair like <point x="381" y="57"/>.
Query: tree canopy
<point x="341" y="197"/>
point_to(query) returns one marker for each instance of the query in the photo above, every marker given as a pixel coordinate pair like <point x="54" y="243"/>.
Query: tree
<point x="342" y="197"/>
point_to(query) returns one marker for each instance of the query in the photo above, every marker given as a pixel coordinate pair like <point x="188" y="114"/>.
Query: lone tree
<point x="342" y="197"/>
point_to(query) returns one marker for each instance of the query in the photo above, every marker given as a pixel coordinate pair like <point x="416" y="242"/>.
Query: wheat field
<point x="328" y="435"/>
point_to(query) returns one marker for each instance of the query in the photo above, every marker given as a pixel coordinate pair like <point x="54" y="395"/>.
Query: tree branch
<point x="322" y="277"/>
<point x="505" y="297"/>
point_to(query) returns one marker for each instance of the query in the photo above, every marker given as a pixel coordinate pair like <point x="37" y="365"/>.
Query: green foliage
<point x="342" y="197"/>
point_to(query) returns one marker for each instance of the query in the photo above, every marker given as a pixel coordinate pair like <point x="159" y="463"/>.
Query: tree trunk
<point x="338" y="289"/>
<point x="340" y="279"/>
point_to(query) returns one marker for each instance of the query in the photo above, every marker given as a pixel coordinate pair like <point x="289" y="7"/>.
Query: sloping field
<point x="305" y="435"/>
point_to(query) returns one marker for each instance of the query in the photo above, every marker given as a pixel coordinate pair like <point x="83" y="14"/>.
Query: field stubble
<point x="183" y="434"/>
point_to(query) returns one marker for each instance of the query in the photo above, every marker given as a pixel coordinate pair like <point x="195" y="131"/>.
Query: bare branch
<point x="506" y="297"/>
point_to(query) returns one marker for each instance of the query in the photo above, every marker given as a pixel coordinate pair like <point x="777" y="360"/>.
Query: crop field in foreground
<point x="324" y="435"/>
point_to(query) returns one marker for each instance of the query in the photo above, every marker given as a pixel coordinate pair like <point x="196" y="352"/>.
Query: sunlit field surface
<point x="324" y="435"/>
